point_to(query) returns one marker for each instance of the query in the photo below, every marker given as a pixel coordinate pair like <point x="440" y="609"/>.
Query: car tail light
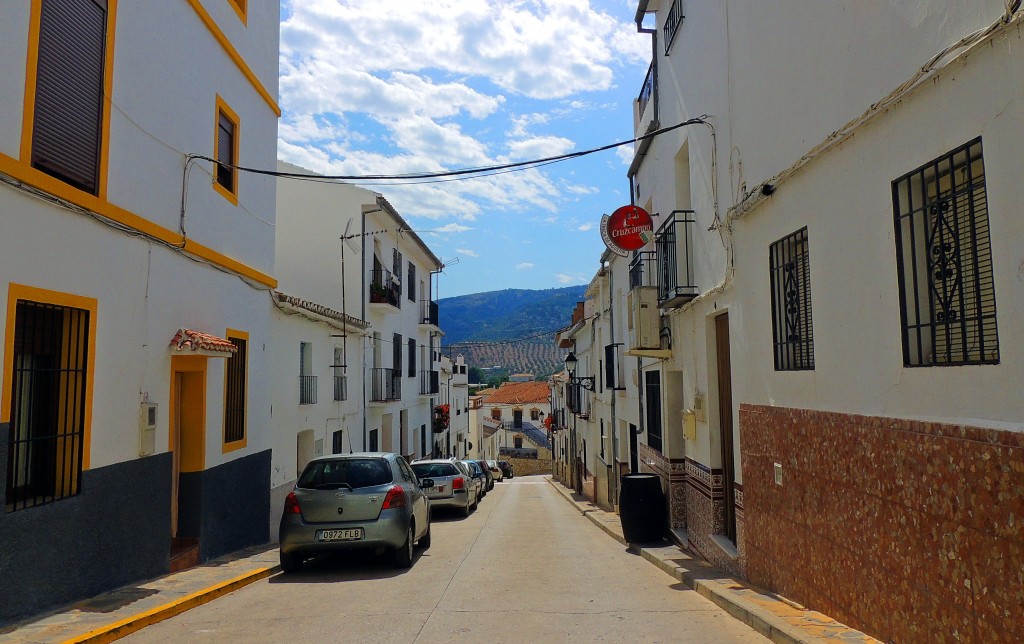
<point x="395" y="498"/>
<point x="291" y="504"/>
<point x="458" y="483"/>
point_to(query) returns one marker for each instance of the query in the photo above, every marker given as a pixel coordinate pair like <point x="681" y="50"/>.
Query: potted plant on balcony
<point x="378" y="294"/>
<point x="442" y="417"/>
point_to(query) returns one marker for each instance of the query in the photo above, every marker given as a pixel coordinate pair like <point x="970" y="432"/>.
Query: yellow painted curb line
<point x="129" y="625"/>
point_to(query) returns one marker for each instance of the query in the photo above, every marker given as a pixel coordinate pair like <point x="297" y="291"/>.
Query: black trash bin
<point x="641" y="508"/>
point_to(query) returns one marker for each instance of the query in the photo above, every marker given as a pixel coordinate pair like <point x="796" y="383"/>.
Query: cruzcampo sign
<point x="629" y="228"/>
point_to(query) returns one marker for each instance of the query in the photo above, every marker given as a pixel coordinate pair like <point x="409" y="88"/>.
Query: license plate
<point x="351" y="534"/>
<point x="437" y="489"/>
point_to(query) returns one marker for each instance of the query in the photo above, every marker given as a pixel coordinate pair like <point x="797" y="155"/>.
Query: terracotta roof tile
<point x="190" y="340"/>
<point x="516" y="393"/>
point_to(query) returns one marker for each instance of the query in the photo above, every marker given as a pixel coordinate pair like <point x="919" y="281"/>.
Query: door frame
<point x="725" y="423"/>
<point x="189" y="376"/>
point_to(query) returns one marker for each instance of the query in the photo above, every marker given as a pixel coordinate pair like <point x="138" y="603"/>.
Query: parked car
<point x="506" y="469"/>
<point x="479" y="477"/>
<point x="487" y="473"/>
<point x="453" y="487"/>
<point x="346" y="501"/>
<point x="496" y="471"/>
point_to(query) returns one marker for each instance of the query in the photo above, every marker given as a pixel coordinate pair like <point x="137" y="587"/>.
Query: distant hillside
<point x="500" y="316"/>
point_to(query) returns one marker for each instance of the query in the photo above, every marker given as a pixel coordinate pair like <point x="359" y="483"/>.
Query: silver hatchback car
<point x="345" y="501"/>
<point x="453" y="486"/>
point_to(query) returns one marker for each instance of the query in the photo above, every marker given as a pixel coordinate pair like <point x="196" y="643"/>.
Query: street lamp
<point x="587" y="382"/>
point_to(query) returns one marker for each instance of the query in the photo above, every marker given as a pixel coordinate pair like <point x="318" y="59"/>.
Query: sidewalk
<point x="115" y="614"/>
<point x="775" y="617"/>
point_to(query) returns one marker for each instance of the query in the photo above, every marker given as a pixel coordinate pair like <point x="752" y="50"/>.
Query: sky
<point x="399" y="86"/>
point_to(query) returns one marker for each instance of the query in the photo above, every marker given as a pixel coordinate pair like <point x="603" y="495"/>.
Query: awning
<point x="203" y="344"/>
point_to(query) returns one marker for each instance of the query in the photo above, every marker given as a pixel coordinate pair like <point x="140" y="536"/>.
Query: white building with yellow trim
<point x="133" y="387"/>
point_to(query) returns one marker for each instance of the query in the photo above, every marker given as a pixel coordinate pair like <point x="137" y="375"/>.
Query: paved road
<point x="525" y="567"/>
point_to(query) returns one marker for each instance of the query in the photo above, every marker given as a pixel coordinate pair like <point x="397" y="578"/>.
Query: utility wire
<point x="452" y="175"/>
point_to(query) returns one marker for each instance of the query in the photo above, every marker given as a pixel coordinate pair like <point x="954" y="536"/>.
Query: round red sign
<point x="629" y="228"/>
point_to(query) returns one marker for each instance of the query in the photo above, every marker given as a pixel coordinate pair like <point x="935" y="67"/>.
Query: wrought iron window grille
<point x="672" y="23"/>
<point x="673" y="245"/>
<point x="792" y="329"/>
<point x="944" y="261"/>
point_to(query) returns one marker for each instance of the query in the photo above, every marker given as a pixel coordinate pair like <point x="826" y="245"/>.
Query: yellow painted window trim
<point x="27" y="174"/>
<point x="241" y="7"/>
<point x="17" y="292"/>
<point x="225" y="109"/>
<point x="32" y="74"/>
<point x="233" y="54"/>
<point x="227" y="447"/>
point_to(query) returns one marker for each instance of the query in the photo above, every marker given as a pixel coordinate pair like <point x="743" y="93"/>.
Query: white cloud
<point x="625" y="154"/>
<point x="524" y="266"/>
<point x="467" y="252"/>
<point x="451" y="228"/>
<point x="586" y="227"/>
<point x="539" y="147"/>
<point x="565" y="278"/>
<point x="581" y="190"/>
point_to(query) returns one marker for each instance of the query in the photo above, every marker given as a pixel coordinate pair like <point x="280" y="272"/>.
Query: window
<point x="241" y="7"/>
<point x="225" y="150"/>
<point x="412" y="282"/>
<point x="792" y="332"/>
<point x="373" y="446"/>
<point x="672" y="22"/>
<point x="944" y="262"/>
<point x="68" y="116"/>
<point x="307" y="381"/>
<point x="613" y="367"/>
<point x="235" y="380"/>
<point x="517" y="440"/>
<point x="603" y="439"/>
<point x="412" y="357"/>
<point x="534" y="414"/>
<point x="496" y="414"/>
<point x="396" y="270"/>
<point x="396" y="354"/>
<point x="337" y="441"/>
<point x="340" y="377"/>
<point x="49" y="393"/>
<point x="652" y="405"/>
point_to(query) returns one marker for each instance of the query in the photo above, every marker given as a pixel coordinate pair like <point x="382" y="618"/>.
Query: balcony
<point x="429" y="383"/>
<point x="648" y="91"/>
<point x="340" y="388"/>
<point x="385" y="384"/>
<point x="428" y="312"/>
<point x="673" y="244"/>
<point x="642" y="269"/>
<point x="384" y="289"/>
<point x="307" y="390"/>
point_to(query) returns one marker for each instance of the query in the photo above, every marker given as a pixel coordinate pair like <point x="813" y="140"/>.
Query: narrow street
<point x="525" y="567"/>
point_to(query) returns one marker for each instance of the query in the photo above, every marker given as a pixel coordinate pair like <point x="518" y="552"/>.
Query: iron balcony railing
<point x="429" y="383"/>
<point x="385" y="384"/>
<point x="307" y="390"/>
<point x="340" y="388"/>
<point x="384" y="289"/>
<point x="673" y="244"/>
<point x="428" y="312"/>
<point x="648" y="90"/>
<point x="642" y="269"/>
<point x="672" y="22"/>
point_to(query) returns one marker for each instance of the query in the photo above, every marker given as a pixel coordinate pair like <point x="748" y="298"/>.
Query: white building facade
<point x="814" y="356"/>
<point x="137" y="279"/>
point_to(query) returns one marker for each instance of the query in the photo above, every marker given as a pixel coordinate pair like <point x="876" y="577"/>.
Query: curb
<point x="127" y="626"/>
<point x="770" y="615"/>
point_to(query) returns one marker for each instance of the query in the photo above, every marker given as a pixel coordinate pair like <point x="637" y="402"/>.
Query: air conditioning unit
<point x="147" y="429"/>
<point x="644" y="324"/>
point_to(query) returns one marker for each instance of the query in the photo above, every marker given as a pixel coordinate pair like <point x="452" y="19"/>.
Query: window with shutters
<point x="412" y="357"/>
<point x="412" y="282"/>
<point x="68" y="114"/>
<point x="241" y="8"/>
<point x="225" y="150"/>
<point x="235" y="386"/>
<point x="396" y="270"/>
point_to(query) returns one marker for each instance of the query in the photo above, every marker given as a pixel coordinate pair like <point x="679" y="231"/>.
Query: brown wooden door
<point x="725" y="421"/>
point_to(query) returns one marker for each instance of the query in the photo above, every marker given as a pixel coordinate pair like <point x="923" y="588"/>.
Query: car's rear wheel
<point x="291" y="561"/>
<point x="467" y="510"/>
<point x="403" y="553"/>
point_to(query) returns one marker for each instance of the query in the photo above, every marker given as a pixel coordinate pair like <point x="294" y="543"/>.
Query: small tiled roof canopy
<point x="189" y="340"/>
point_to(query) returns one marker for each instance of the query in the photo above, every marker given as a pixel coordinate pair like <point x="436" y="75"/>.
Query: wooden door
<point x="725" y="421"/>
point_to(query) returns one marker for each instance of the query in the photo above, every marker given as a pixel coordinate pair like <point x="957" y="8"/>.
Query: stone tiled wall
<point x="909" y="530"/>
<point x="673" y="482"/>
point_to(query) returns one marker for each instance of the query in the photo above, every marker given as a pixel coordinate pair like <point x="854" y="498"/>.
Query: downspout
<point x="362" y="315"/>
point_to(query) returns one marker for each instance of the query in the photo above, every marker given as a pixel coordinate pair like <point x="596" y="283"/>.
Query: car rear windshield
<point x="350" y="472"/>
<point x="426" y="470"/>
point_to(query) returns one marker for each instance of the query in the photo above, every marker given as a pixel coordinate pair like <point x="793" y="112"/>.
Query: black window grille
<point x="673" y="244"/>
<point x="234" y="405"/>
<point x="672" y="22"/>
<point x="67" y="120"/>
<point x="652" y="407"/>
<point x="412" y="357"/>
<point x="642" y="269"/>
<point x="944" y="261"/>
<point x="48" y="400"/>
<point x="792" y="330"/>
<point x="412" y="282"/>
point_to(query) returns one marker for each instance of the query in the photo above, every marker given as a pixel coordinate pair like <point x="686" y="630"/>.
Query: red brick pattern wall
<point x="910" y="531"/>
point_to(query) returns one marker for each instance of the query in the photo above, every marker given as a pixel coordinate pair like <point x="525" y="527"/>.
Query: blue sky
<point x="430" y="85"/>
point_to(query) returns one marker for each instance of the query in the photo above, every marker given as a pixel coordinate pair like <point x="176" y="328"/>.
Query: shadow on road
<point x="347" y="566"/>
